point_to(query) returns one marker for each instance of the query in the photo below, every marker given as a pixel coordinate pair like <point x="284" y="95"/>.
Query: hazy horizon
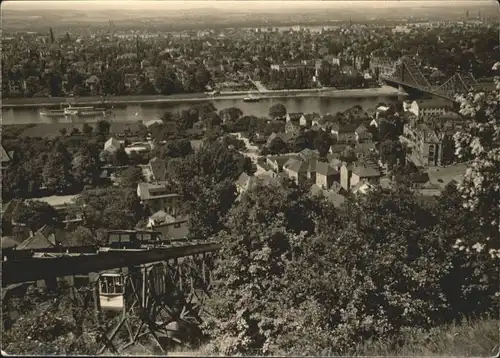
<point x="262" y="5"/>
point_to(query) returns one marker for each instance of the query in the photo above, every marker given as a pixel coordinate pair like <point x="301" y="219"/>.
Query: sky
<point x="220" y="4"/>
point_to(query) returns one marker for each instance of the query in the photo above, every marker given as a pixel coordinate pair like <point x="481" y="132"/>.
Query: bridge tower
<point x="160" y="300"/>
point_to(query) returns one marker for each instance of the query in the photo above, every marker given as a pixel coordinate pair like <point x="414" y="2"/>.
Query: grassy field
<point x="479" y="339"/>
<point x="468" y="339"/>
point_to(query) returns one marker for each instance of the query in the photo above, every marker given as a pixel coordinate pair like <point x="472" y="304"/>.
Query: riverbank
<point x="8" y="103"/>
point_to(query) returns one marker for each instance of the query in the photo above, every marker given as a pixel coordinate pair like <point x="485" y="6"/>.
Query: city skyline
<point x="267" y="5"/>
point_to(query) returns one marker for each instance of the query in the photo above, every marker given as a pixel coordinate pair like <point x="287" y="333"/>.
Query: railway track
<point x="53" y="265"/>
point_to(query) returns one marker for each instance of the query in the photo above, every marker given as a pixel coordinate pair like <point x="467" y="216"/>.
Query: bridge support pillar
<point x="401" y="88"/>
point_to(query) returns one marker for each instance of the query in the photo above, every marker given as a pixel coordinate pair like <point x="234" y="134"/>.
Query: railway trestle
<point x="160" y="300"/>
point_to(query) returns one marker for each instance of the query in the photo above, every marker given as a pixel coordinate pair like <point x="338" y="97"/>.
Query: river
<point x="149" y="111"/>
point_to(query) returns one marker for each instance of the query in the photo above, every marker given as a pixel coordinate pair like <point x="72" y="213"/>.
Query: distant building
<point x="296" y="170"/>
<point x="169" y="226"/>
<point x="325" y="175"/>
<point x="112" y="145"/>
<point x="157" y="169"/>
<point x="138" y="147"/>
<point x="334" y="197"/>
<point x="157" y="196"/>
<point x="344" y="132"/>
<point x="352" y="174"/>
<point x="431" y="143"/>
<point x="427" y="108"/>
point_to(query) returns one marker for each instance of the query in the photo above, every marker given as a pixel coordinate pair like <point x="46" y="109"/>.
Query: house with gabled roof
<point x="344" y="132"/>
<point x="363" y="187"/>
<point x="296" y="170"/>
<point x="245" y="182"/>
<point x="112" y="145"/>
<point x="294" y="117"/>
<point x="284" y="136"/>
<point x="169" y="226"/>
<point x="307" y="154"/>
<point x="325" y="175"/>
<point x="157" y="169"/>
<point x="158" y="196"/>
<point x="365" y="171"/>
<point x="40" y="240"/>
<point x="335" y="198"/>
<point x="364" y="148"/>
<point x="310" y="119"/>
<point x="276" y="162"/>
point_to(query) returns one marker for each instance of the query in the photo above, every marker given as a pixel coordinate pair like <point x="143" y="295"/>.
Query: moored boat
<point x="251" y="98"/>
<point x="86" y="111"/>
<point x="52" y="112"/>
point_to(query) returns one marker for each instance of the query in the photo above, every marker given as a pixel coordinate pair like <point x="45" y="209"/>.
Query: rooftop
<point x="366" y="171"/>
<point x="57" y="200"/>
<point x="325" y="169"/>
<point x="298" y="166"/>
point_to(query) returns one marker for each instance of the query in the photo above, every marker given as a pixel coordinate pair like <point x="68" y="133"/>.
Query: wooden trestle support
<point x="160" y="300"/>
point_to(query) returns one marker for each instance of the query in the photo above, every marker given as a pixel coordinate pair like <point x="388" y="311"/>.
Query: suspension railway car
<point x="133" y="239"/>
<point x="112" y="291"/>
<point x="140" y="240"/>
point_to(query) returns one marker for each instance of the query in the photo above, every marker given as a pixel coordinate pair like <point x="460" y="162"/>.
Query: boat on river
<point x="251" y="98"/>
<point x="53" y="113"/>
<point x="89" y="111"/>
<point x="76" y="111"/>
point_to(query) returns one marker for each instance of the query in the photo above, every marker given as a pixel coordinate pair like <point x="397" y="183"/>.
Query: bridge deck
<point x="33" y="269"/>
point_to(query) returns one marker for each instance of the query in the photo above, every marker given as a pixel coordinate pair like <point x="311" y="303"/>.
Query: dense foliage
<point x="381" y="266"/>
<point x="50" y="324"/>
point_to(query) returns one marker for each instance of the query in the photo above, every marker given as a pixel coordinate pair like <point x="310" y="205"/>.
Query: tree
<point x="177" y="148"/>
<point x="57" y="171"/>
<point x="110" y="208"/>
<point x="479" y="143"/>
<point x="391" y="152"/>
<point x="212" y="120"/>
<point x="51" y="325"/>
<point x="277" y="146"/>
<point x="131" y="176"/>
<point x="36" y="214"/>
<point x="348" y="155"/>
<point x="83" y="236"/>
<point x="322" y="143"/>
<point x="231" y="114"/>
<point x="186" y="119"/>
<point x="210" y="205"/>
<point x="86" y="165"/>
<point x="145" y="87"/>
<point x="277" y="111"/>
<point x="472" y="278"/>
<point x="165" y="81"/>
<point x="120" y="157"/>
<point x="102" y="127"/>
<point x="250" y="273"/>
<point x="87" y="129"/>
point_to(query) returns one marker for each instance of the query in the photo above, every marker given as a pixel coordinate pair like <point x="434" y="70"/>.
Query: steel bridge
<point x="406" y="73"/>
<point x="155" y="293"/>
